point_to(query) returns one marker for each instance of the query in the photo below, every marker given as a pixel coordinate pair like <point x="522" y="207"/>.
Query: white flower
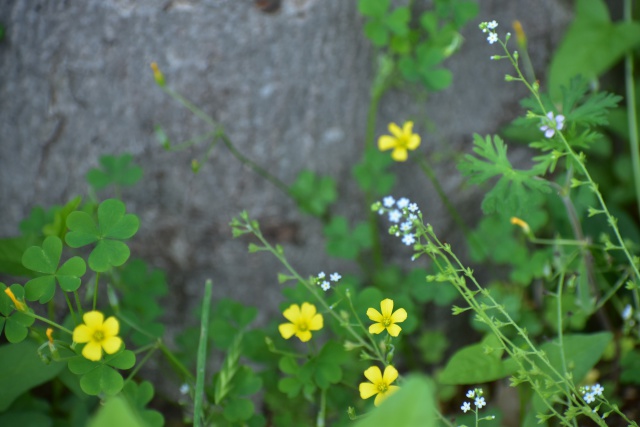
<point x="403" y="203"/>
<point x="413" y="207"/>
<point x="597" y="390"/>
<point x="408" y="239"/>
<point x="589" y="397"/>
<point x="479" y="402"/>
<point x="405" y="226"/>
<point x="388" y="201"/>
<point x="184" y="388"/>
<point x="335" y="277"/>
<point x="321" y="275"/>
<point x="465" y="407"/>
<point x="552" y="124"/>
<point x="492" y="25"/>
<point x="627" y="312"/>
<point x="493" y="37"/>
<point x="395" y="215"/>
<point x="325" y="286"/>
<point x="471" y="394"/>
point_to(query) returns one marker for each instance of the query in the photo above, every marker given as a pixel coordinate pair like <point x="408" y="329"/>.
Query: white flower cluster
<point x="589" y="393"/>
<point x="489" y="27"/>
<point x="551" y="124"/>
<point x="403" y="214"/>
<point x="478" y="401"/>
<point x="321" y="279"/>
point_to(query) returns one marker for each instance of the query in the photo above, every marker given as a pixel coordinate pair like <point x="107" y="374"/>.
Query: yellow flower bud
<point x="157" y="74"/>
<point x="520" y="223"/>
<point x="20" y="306"/>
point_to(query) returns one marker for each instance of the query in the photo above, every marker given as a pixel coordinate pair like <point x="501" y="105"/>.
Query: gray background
<point x="291" y="89"/>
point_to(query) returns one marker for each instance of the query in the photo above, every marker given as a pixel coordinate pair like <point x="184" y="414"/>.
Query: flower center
<point x="98" y="336"/>
<point x="382" y="388"/>
<point x="403" y="141"/>
<point x="386" y="321"/>
<point x="302" y="326"/>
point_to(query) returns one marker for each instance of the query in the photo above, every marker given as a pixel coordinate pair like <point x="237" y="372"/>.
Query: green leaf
<point x="21" y="370"/>
<point x="473" y="365"/>
<point x="238" y="409"/>
<point x="313" y="194"/>
<point x="45" y="259"/>
<point x="376" y="32"/>
<point x="138" y="396"/>
<point x="413" y="405"/>
<point x="591" y="45"/>
<point x="11" y="250"/>
<point x="108" y="253"/>
<point x="374" y="8"/>
<point x="288" y="365"/>
<point x="102" y="379"/>
<point x="290" y="386"/>
<point x="116" y="412"/>
<point x="398" y="21"/>
<point x="343" y="242"/>
<point x="122" y="360"/>
<point x="117" y="170"/>
<point x="15" y="323"/>
<point x="371" y="172"/>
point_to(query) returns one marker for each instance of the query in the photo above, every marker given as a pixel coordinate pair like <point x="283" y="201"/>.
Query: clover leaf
<point x="113" y="226"/>
<point x="313" y="193"/>
<point x="45" y="260"/>
<point x="117" y="170"/>
<point x="101" y="377"/>
<point x="15" y="323"/>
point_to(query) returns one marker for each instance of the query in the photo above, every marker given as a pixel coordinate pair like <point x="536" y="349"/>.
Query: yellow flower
<point x="20" y="306"/>
<point x="522" y="224"/>
<point x="303" y="321"/>
<point x="99" y="334"/>
<point x="401" y="141"/>
<point x="387" y="319"/>
<point x="380" y="383"/>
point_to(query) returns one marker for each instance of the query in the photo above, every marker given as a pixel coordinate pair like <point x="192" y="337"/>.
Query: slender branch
<point x="202" y="355"/>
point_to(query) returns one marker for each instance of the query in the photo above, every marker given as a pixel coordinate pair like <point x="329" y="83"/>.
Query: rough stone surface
<point x="291" y="89"/>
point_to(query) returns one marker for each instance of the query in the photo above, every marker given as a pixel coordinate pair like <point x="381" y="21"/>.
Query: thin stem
<point x="174" y="360"/>
<point x="202" y="355"/>
<point x="320" y="421"/>
<point x="631" y="109"/>
<point x="47" y="321"/>
<point x="71" y="310"/>
<point x="95" y="292"/>
<point x="78" y="303"/>
<point x="139" y="365"/>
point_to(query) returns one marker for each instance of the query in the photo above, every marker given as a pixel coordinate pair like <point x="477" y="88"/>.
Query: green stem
<point x="78" y="303"/>
<point x="95" y="292"/>
<point x="47" y="321"/>
<point x="139" y="365"/>
<point x="323" y="408"/>
<point x="376" y="245"/>
<point x="202" y="355"/>
<point x="71" y="310"/>
<point x="176" y="363"/>
<point x="631" y="109"/>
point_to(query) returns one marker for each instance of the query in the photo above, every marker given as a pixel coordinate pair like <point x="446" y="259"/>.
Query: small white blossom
<point x="335" y="277"/>
<point x="479" y="402"/>
<point x="597" y="390"/>
<point x="627" y="312"/>
<point x="589" y="397"/>
<point x="388" y="201"/>
<point x="492" y="25"/>
<point x="405" y="226"/>
<point x="551" y="124"/>
<point x="493" y="37"/>
<point x="413" y="207"/>
<point x="321" y="275"/>
<point x="325" y="286"/>
<point x="471" y="394"/>
<point x="395" y="215"/>
<point x="408" y="239"/>
<point x="465" y="407"/>
<point x="184" y="388"/>
<point x="403" y="203"/>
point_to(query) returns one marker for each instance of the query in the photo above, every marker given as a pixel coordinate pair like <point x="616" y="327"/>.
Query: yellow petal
<point x="112" y="345"/>
<point x="308" y="311"/>
<point x="373" y="374"/>
<point x="400" y="315"/>
<point x="292" y="313"/>
<point x="82" y="334"/>
<point x="376" y="328"/>
<point x="304" y="335"/>
<point x="394" y="330"/>
<point x="390" y="375"/>
<point x="387" y="142"/>
<point x="399" y="154"/>
<point x="316" y="323"/>
<point x="395" y="130"/>
<point x="367" y="390"/>
<point x="386" y="306"/>
<point x="92" y="351"/>
<point x="374" y="315"/>
<point x="287" y="330"/>
<point x="414" y="142"/>
<point x="407" y="128"/>
<point x="111" y="327"/>
<point x="383" y="396"/>
<point x="93" y="319"/>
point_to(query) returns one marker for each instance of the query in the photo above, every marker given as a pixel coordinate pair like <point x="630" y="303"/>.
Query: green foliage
<point x="45" y="260"/>
<point x="371" y="173"/>
<point x="382" y="23"/>
<point x="313" y="194"/>
<point x="15" y="323"/>
<point x="511" y="194"/>
<point x="11" y="250"/>
<point x="116" y="170"/>
<point x="116" y="411"/>
<point x="343" y="242"/>
<point x="630" y="363"/>
<point x="21" y="370"/>
<point x="112" y="226"/>
<point x="591" y="45"/>
<point x="102" y="376"/>
<point x="139" y="396"/>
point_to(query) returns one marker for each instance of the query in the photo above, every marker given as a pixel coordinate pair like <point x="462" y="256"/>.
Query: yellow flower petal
<point x="399" y="154"/>
<point x="407" y="128"/>
<point x="292" y="313"/>
<point x="386" y="142"/>
<point x="373" y="374"/>
<point x="386" y="306"/>
<point x="367" y="390"/>
<point x="304" y="335"/>
<point x="390" y="375"/>
<point x="287" y="330"/>
<point x="376" y="328"/>
<point x="93" y="319"/>
<point x="394" y="330"/>
<point x="112" y="345"/>
<point x="111" y="327"/>
<point x="82" y="333"/>
<point x="374" y="315"/>
<point x="307" y="311"/>
<point x="414" y="142"/>
<point x="400" y="315"/>
<point x="395" y="130"/>
<point x="317" y="322"/>
<point x="92" y="351"/>
<point x="381" y="397"/>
